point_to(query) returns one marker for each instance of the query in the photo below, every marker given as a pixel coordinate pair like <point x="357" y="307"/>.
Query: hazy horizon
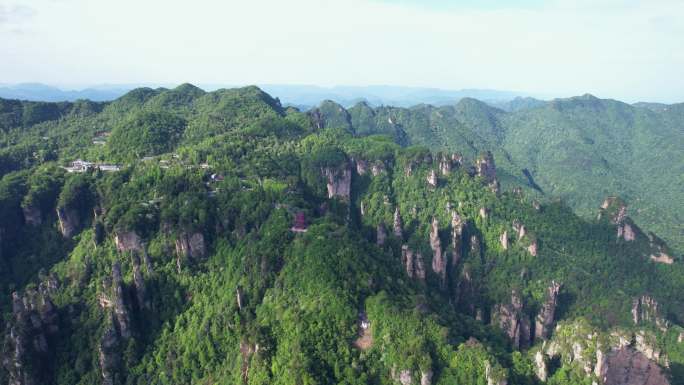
<point x="625" y="50"/>
<point x="296" y="94"/>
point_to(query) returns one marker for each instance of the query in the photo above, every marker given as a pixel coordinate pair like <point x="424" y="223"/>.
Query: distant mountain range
<point x="301" y="96"/>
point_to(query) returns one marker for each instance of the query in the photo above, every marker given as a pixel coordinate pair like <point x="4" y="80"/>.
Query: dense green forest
<point x="221" y="238"/>
<point x="579" y="149"/>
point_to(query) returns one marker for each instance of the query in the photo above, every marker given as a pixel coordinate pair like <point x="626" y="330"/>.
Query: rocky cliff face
<point x="413" y="263"/>
<point x="191" y="246"/>
<point x="32" y="215"/>
<point x="361" y="166"/>
<point x="338" y="182"/>
<point x="628" y="367"/>
<point x="127" y="241"/>
<point x="645" y="309"/>
<point x="439" y="262"/>
<point x="118" y="320"/>
<point x="69" y="221"/>
<point x="513" y="321"/>
<point x="660" y="253"/>
<point x="546" y="317"/>
<point x="139" y="284"/>
<point x="614" y="210"/>
<point x="603" y="359"/>
<point x="108" y="354"/>
<point x="26" y="347"/>
<point x="120" y="307"/>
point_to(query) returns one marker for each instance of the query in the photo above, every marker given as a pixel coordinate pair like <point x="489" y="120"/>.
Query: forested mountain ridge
<point x="579" y="149"/>
<point x="221" y="238"/>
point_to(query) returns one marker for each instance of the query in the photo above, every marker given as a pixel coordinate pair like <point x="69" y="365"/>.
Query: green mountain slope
<point x="579" y="149"/>
<point x="244" y="243"/>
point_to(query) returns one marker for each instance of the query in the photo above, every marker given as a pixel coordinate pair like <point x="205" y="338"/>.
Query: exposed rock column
<point x="338" y="182"/>
<point x="456" y="239"/>
<point x="540" y="364"/>
<point x="397" y="227"/>
<point x="139" y="282"/>
<point x="120" y="309"/>
<point x="432" y="178"/>
<point x="438" y="259"/>
<point x="108" y="354"/>
<point x="504" y="240"/>
<point x="413" y="263"/>
<point x="546" y="317"/>
<point x="513" y="321"/>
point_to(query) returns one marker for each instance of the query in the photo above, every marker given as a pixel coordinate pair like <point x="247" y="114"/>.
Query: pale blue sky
<point x="624" y="49"/>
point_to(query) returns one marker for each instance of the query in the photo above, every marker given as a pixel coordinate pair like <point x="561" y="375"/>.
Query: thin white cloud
<point x="15" y="13"/>
<point x="627" y="50"/>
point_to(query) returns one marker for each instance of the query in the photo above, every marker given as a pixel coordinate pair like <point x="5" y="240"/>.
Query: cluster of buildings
<point x="82" y="166"/>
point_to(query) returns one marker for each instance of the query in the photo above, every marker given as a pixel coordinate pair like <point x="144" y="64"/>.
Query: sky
<point x="630" y="50"/>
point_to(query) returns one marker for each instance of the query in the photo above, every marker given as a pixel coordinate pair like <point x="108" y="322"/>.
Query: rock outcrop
<point x="426" y="377"/>
<point x="614" y="210"/>
<point x="629" y="367"/>
<point x="546" y="316"/>
<point x="191" y="246"/>
<point x="139" y="284"/>
<point x="413" y="263"/>
<point x="439" y="262"/>
<point x="513" y="321"/>
<point x="485" y="168"/>
<point x="432" y="178"/>
<point x="32" y="215"/>
<point x="338" y="182"/>
<point x="445" y="165"/>
<point x="127" y="241"/>
<point x="645" y="309"/>
<point x="397" y="226"/>
<point x="519" y="229"/>
<point x="26" y="346"/>
<point x="457" y="226"/>
<point x="402" y="377"/>
<point x="604" y="359"/>
<point x="377" y="168"/>
<point x="475" y="249"/>
<point x="541" y="365"/>
<point x="660" y="253"/>
<point x="533" y="247"/>
<point x="361" y="166"/>
<point x="108" y="353"/>
<point x="68" y="221"/>
<point x="121" y="313"/>
<point x="646" y="343"/>
<point x="503" y="239"/>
